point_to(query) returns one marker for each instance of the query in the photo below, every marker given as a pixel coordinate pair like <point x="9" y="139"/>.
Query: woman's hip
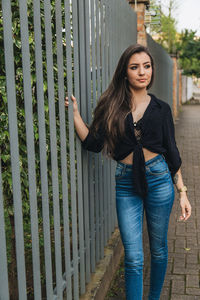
<point x="157" y="174"/>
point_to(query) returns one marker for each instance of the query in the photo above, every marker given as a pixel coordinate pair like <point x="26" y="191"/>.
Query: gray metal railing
<point x="63" y="196"/>
<point x="163" y="82"/>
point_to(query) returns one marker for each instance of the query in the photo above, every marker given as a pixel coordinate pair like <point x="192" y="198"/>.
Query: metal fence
<point x="163" y="83"/>
<point x="61" y="197"/>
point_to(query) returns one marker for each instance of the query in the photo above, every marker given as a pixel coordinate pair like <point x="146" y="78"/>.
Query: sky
<point x="187" y="14"/>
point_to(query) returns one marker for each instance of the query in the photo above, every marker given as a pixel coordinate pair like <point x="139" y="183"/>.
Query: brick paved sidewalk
<point x="183" y="273"/>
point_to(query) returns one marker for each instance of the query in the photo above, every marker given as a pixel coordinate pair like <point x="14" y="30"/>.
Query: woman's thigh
<point x="130" y="208"/>
<point x="158" y="203"/>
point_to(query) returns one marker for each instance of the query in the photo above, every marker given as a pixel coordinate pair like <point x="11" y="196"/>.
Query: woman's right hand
<point x="75" y="105"/>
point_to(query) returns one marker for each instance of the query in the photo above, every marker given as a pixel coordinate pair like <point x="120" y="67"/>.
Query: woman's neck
<point x="139" y="96"/>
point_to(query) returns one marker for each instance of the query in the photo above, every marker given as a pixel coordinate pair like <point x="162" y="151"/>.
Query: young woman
<point x="136" y="129"/>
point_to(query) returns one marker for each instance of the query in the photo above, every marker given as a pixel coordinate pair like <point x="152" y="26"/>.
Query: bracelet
<point x="183" y="189"/>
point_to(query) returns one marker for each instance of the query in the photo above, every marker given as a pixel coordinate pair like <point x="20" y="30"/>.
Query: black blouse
<point x="154" y="131"/>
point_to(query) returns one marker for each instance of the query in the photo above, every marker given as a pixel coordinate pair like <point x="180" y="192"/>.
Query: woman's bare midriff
<point x="147" y="155"/>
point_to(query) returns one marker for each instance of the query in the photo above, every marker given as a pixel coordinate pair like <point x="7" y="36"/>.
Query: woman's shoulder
<point x="163" y="104"/>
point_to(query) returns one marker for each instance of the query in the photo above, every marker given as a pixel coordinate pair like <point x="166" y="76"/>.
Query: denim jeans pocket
<point x="158" y="168"/>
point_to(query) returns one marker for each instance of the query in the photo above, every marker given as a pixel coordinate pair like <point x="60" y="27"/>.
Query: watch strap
<point x="183" y="189"/>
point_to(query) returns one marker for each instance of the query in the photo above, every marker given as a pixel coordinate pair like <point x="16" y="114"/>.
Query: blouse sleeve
<point x="94" y="142"/>
<point x="172" y="154"/>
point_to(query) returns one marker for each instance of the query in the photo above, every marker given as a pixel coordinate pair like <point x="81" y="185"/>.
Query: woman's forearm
<point x="184" y="202"/>
<point x="80" y="126"/>
<point x="178" y="179"/>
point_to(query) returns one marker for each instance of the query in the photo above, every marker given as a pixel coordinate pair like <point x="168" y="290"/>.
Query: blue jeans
<point x="130" y="211"/>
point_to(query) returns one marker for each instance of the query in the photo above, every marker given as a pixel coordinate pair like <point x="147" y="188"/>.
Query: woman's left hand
<point x="185" y="207"/>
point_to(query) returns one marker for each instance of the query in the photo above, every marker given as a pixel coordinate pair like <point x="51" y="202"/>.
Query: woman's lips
<point x="141" y="80"/>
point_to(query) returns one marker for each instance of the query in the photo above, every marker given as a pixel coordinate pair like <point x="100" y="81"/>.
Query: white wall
<point x="184" y="88"/>
<point x="189" y="88"/>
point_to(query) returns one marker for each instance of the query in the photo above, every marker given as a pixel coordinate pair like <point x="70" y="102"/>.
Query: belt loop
<point x="124" y="169"/>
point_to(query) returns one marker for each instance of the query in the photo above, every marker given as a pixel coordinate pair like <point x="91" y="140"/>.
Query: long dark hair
<point x="115" y="103"/>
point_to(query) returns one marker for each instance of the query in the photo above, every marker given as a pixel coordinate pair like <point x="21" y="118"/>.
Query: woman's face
<point x="139" y="71"/>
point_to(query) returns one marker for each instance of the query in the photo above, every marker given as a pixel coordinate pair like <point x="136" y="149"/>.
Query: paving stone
<point x="180" y="243"/>
<point x="193" y="291"/>
<point x="192" y="258"/>
<point x="183" y="297"/>
<point x="178" y="286"/>
<point x="194" y="267"/>
<point x="179" y="263"/>
<point x="192" y="281"/>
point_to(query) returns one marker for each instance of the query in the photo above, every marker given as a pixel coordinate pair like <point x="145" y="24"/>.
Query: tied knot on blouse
<point x="138" y="165"/>
<point x="154" y="131"/>
<point x="139" y="178"/>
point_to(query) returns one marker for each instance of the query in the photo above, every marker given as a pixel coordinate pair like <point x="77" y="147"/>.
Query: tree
<point x="166" y="33"/>
<point x="188" y="48"/>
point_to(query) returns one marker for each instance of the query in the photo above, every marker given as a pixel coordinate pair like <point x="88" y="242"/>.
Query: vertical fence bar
<point x="78" y="150"/>
<point x="40" y="104"/>
<point x="99" y="88"/>
<point x="97" y="157"/>
<point x="14" y="147"/>
<point x="115" y="29"/>
<point x="102" y="9"/>
<point x="110" y="35"/>
<point x="101" y="207"/>
<point x="89" y="119"/>
<point x="112" y="55"/>
<point x="72" y="152"/>
<point x="108" y="75"/>
<point x="62" y="137"/>
<point x="51" y="96"/>
<point x="83" y="114"/>
<point x="113" y="207"/>
<point x="105" y="165"/>
<point x="30" y="146"/>
<point x="4" y="291"/>
<point x="107" y="8"/>
<point x="93" y="167"/>
<point x="83" y="98"/>
<point x="105" y="199"/>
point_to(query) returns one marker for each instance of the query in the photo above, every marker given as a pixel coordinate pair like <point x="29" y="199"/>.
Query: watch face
<point x="184" y="189"/>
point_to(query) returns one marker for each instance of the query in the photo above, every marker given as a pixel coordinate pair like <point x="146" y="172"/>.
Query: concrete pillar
<point x="139" y="7"/>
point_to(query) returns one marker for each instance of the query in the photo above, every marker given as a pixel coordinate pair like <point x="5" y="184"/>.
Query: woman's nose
<point x="141" y="70"/>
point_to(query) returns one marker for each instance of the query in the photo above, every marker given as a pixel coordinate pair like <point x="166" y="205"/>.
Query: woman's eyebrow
<point x="147" y="62"/>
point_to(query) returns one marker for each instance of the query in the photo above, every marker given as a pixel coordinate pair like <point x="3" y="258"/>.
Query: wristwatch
<point x="183" y="189"/>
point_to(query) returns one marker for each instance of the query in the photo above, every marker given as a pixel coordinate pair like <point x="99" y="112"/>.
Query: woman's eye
<point x="134" y="68"/>
<point x="147" y="66"/>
